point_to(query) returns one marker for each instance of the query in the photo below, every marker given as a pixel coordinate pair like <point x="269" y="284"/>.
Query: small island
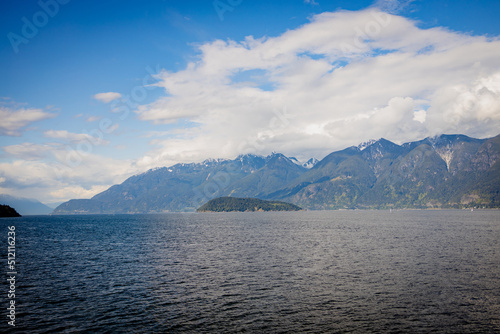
<point x="231" y="204"/>
<point x="7" y="211"/>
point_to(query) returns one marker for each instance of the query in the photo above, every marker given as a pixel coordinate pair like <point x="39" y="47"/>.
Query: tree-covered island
<point x="229" y="204"/>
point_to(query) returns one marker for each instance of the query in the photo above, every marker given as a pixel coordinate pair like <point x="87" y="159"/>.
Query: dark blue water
<point x="300" y="272"/>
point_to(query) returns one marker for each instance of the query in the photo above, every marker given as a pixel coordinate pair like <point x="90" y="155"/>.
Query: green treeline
<point x="227" y="204"/>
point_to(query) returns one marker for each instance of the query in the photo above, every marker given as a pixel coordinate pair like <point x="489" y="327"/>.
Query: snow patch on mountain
<point x="306" y="164"/>
<point x="364" y="145"/>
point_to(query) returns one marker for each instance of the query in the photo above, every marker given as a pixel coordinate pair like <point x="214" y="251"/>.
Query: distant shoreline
<point x="303" y="210"/>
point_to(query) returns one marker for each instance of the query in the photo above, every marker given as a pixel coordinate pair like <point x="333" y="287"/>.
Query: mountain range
<point x="447" y="171"/>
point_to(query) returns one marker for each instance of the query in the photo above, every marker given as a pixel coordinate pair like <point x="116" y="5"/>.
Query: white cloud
<point x="14" y="119"/>
<point x="76" y="137"/>
<point x="30" y="151"/>
<point x="70" y="175"/>
<point x="93" y="118"/>
<point x="107" y="97"/>
<point x="77" y="192"/>
<point x="344" y="78"/>
<point x="473" y="107"/>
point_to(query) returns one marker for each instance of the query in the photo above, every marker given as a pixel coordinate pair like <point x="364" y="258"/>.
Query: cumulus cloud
<point x="77" y="192"/>
<point x="107" y="97"/>
<point x="473" y="107"/>
<point x="343" y="78"/>
<point x="76" y="137"/>
<point x="68" y="174"/>
<point x="15" y="119"/>
<point x="29" y="151"/>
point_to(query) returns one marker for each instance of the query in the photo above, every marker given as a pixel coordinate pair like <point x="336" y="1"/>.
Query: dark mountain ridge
<point x="8" y="211"/>
<point x="447" y="171"/>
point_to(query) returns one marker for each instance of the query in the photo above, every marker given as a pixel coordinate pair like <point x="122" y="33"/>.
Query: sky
<point x="92" y="92"/>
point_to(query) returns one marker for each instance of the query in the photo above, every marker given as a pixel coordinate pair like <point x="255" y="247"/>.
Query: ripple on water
<point x="314" y="272"/>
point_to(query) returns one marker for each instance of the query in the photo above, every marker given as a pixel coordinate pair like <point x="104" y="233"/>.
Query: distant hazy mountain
<point x="444" y="171"/>
<point x="25" y="206"/>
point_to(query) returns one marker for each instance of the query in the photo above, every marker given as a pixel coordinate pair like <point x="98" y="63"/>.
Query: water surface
<point x="264" y="272"/>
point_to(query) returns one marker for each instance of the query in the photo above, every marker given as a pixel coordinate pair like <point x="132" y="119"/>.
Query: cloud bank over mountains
<point x="341" y="79"/>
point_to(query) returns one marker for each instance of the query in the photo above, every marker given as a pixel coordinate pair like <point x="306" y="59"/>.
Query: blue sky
<point x="95" y="91"/>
